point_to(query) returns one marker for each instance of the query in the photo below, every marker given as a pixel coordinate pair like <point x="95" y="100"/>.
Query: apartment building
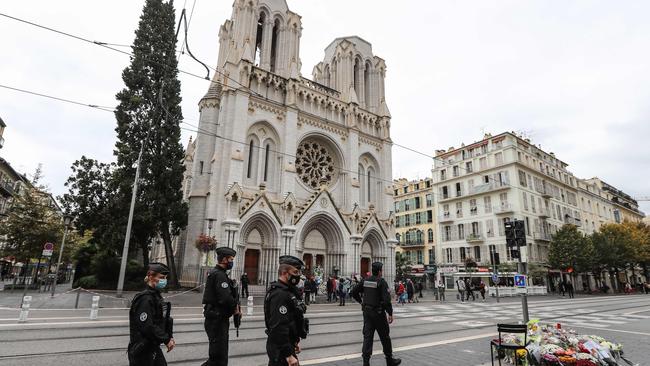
<point x="415" y="225"/>
<point x="11" y="184"/>
<point x="504" y="177"/>
<point x="2" y="130"/>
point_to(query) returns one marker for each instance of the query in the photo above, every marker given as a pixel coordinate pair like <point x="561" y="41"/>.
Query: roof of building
<point x="8" y="166"/>
<point x="2" y="123"/>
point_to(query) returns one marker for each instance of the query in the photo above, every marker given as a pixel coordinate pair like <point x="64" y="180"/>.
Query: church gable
<point x="322" y="201"/>
<point x="373" y="223"/>
<point x="260" y="204"/>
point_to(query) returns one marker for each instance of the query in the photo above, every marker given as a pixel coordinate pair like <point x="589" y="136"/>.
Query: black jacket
<point x="148" y="319"/>
<point x="220" y="294"/>
<point x="382" y="286"/>
<point x="284" y="319"/>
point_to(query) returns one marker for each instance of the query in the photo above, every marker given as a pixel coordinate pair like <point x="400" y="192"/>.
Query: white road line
<point x="398" y="349"/>
<point x="617" y="330"/>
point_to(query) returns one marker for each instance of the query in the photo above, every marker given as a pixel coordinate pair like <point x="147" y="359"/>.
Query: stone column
<point x="267" y="41"/>
<point x="286" y="245"/>
<point x="356" y="241"/>
<point x="389" y="272"/>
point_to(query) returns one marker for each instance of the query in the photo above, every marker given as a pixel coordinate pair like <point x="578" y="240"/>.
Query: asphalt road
<point x="428" y="333"/>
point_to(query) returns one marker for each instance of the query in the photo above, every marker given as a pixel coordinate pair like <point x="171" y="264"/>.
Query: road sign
<point x="48" y="249"/>
<point x="495" y="278"/>
<point x="520" y="280"/>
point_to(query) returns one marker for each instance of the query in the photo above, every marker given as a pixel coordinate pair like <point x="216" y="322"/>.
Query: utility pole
<point x="67" y="220"/>
<point x="127" y="238"/>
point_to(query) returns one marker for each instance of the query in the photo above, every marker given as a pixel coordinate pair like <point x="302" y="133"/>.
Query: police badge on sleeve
<point x="143" y="317"/>
<point x="283" y="309"/>
<point x="224" y="284"/>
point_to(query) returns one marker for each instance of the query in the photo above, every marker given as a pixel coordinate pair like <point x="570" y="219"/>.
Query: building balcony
<point x="488" y="187"/>
<point x="7" y="189"/>
<point x="504" y="208"/>
<point x="546" y="192"/>
<point x="572" y="221"/>
<point x="445" y="218"/>
<point x="542" y="236"/>
<point x="474" y="238"/>
<point x="544" y="213"/>
<point x="412" y="243"/>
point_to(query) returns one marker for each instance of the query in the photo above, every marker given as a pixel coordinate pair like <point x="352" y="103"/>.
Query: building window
<point x="522" y="179"/>
<point x="432" y="256"/>
<point x="525" y="198"/>
<point x="498" y="158"/>
<point x="459" y="190"/>
<point x="477" y="253"/>
<point x="200" y="167"/>
<point x="406" y="189"/>
<point x="475" y="229"/>
<point x="473" y="209"/>
<point x="407" y="218"/>
<point x="482" y="163"/>
<point x="274" y="44"/>
<point x="468" y="167"/>
<point x="490" y="228"/>
<point x="487" y="204"/>
<point x="463" y="254"/>
<point x="396" y="207"/>
<point x="443" y="174"/>
<point x="447" y="233"/>
<point x="420" y="257"/>
<point x="418" y="218"/>
<point x="429" y="200"/>
<point x="492" y="249"/>
<point x="430" y="235"/>
<point x="461" y="231"/>
<point x="455" y="170"/>
<point x="449" y="255"/>
<point x="429" y="216"/>
<point x="267" y="154"/>
<point x="428" y="184"/>
<point x="459" y="209"/>
<point x="407" y="205"/>
<point x="417" y="202"/>
<point x="445" y="192"/>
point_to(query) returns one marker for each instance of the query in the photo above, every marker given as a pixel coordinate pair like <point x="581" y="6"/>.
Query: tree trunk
<point x="169" y="254"/>
<point x="145" y="257"/>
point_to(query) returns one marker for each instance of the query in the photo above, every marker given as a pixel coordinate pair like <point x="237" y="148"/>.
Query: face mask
<point x="294" y="279"/>
<point x="162" y="283"/>
<point x="230" y="265"/>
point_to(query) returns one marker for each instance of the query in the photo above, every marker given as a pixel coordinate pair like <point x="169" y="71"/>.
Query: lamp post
<point x="67" y="220"/>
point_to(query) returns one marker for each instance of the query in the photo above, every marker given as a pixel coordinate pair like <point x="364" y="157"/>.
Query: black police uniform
<point x="375" y="303"/>
<point x="150" y="325"/>
<point x="220" y="301"/>
<point x="284" y="317"/>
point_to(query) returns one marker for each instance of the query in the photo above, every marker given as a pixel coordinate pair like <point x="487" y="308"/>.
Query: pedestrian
<point x="469" y="286"/>
<point x="441" y="291"/>
<point x="420" y="288"/>
<point x="341" y="291"/>
<point x="647" y="287"/>
<point x="150" y="324"/>
<point x="410" y="290"/>
<point x="335" y="288"/>
<point x="481" y="290"/>
<point x="377" y="314"/>
<point x="561" y="288"/>
<point x="314" y="290"/>
<point x="284" y="315"/>
<point x="220" y="302"/>
<point x="244" y="285"/>
<point x="460" y="285"/>
<point x="329" y="286"/>
<point x="401" y="293"/>
<point x="569" y="289"/>
<point x="307" y="289"/>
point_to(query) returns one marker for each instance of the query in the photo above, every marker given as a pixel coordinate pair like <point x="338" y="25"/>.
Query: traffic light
<point x="510" y="234"/>
<point x="514" y="253"/>
<point x="520" y="233"/>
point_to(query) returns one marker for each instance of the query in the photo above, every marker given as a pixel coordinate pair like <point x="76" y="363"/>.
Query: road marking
<point x="616" y="330"/>
<point x="472" y="324"/>
<point x="397" y="349"/>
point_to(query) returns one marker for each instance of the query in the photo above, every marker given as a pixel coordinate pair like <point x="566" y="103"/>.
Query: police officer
<point x="284" y="314"/>
<point x="220" y="302"/>
<point x="149" y="322"/>
<point x="377" y="314"/>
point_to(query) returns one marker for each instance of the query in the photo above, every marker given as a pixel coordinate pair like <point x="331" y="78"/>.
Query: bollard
<point x="249" y="306"/>
<point x="94" y="309"/>
<point x="24" y="309"/>
<point x="76" y="302"/>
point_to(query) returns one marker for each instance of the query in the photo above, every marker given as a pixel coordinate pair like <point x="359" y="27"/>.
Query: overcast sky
<point x="573" y="75"/>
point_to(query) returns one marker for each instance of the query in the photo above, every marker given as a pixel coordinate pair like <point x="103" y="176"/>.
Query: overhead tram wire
<point x="197" y="130"/>
<point x="105" y="45"/>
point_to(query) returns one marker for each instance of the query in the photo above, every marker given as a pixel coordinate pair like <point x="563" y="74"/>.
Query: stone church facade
<point x="287" y="165"/>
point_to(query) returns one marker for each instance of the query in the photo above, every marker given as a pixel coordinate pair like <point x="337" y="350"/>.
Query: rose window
<point x="314" y="162"/>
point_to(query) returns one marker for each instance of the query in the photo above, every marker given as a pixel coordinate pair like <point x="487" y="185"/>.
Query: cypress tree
<point x="149" y="113"/>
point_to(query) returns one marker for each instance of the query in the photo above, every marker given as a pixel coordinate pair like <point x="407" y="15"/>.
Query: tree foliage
<point x="571" y="249"/>
<point x="402" y="265"/>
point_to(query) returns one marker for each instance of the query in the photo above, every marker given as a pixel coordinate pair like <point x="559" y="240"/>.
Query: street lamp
<point x="67" y="220"/>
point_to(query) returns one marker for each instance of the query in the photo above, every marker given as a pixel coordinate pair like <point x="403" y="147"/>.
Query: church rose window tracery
<point x="313" y="161"/>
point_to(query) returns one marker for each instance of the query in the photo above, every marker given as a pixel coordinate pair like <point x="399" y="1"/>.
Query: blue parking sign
<point x="520" y="280"/>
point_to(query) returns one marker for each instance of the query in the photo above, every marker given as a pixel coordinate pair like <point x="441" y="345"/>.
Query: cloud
<point x="572" y="74"/>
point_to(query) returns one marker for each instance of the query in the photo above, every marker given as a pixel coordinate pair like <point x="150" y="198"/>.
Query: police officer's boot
<point x="390" y="361"/>
<point x="366" y="361"/>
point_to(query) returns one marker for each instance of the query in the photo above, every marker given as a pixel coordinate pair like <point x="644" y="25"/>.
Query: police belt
<point x="377" y="308"/>
<point x="211" y="311"/>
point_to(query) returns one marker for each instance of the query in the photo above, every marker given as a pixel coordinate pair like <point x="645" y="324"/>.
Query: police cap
<point x="225" y="252"/>
<point x="159" y="268"/>
<point x="292" y="261"/>
<point x="377" y="266"/>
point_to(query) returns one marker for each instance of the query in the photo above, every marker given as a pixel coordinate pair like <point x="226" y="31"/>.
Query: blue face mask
<point x="230" y="265"/>
<point x="162" y="283"/>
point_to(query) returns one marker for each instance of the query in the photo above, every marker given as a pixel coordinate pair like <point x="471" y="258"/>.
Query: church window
<point x="314" y="162"/>
<point x="249" y="171"/>
<point x="266" y="162"/>
<point x="274" y="44"/>
<point x="366" y="82"/>
<point x="356" y="76"/>
<point x="258" y="39"/>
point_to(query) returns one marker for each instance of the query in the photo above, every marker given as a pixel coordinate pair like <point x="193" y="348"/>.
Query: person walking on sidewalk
<point x="401" y="293"/>
<point x="342" y="292"/>
<point x="469" y="287"/>
<point x="377" y="314"/>
<point x="562" y="287"/>
<point x="481" y="289"/>
<point x="441" y="291"/>
<point x="460" y="285"/>
<point x="149" y="322"/>
<point x="329" y="286"/>
<point x="410" y="290"/>
<point x="569" y="289"/>
<point x="244" y="285"/>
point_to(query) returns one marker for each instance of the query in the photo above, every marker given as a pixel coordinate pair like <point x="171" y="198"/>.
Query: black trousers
<point x="153" y="357"/>
<point x="376" y="321"/>
<point x="274" y="358"/>
<point x="244" y="291"/>
<point x="217" y="330"/>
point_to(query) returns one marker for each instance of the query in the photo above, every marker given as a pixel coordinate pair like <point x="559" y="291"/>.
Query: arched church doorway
<point x="366" y="258"/>
<point x="321" y="240"/>
<point x="252" y="264"/>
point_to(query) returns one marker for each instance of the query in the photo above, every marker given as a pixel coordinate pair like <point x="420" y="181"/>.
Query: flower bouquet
<point x="205" y="243"/>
